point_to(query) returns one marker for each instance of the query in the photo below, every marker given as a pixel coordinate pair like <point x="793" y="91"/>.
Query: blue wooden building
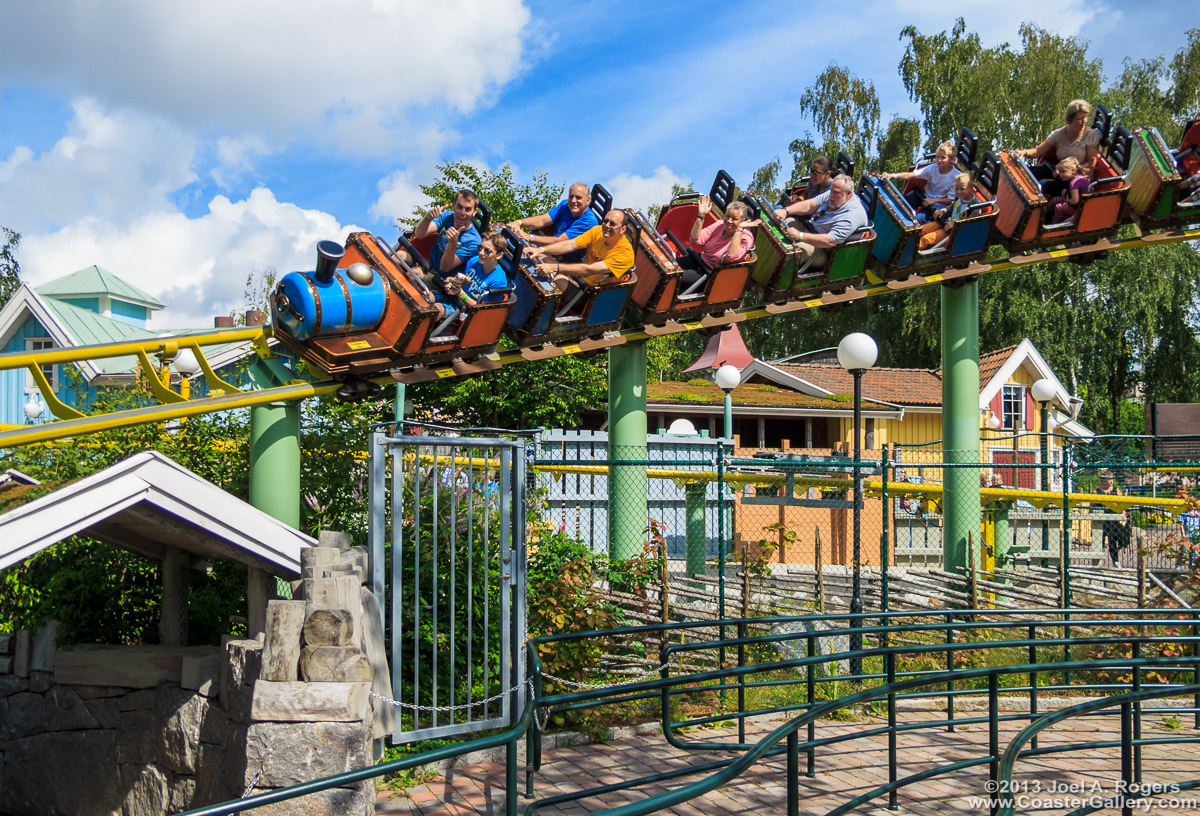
<point x="87" y="307"/>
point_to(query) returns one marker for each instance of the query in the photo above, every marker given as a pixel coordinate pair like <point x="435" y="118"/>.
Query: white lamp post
<point x="1043" y="392"/>
<point x="186" y="364"/>
<point x="856" y="353"/>
<point x="727" y="378"/>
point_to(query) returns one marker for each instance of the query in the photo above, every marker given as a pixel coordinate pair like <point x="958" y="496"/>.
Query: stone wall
<point x="147" y="730"/>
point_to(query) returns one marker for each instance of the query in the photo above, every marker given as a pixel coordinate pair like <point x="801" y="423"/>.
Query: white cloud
<point x="640" y="192"/>
<point x="20" y="155"/>
<point x="272" y="68"/>
<point x="111" y="165"/>
<point x="196" y="266"/>
<point x="235" y="157"/>
<point x="399" y="194"/>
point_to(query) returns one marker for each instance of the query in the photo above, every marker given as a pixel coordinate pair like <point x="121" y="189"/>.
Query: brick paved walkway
<point x="842" y="772"/>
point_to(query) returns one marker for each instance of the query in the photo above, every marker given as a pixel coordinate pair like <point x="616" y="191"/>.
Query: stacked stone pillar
<point x="308" y="708"/>
<point x="147" y="730"/>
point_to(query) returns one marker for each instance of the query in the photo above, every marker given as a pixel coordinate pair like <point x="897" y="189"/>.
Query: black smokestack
<point x="328" y="255"/>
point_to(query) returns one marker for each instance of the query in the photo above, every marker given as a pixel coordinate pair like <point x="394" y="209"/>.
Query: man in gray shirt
<point x="821" y="223"/>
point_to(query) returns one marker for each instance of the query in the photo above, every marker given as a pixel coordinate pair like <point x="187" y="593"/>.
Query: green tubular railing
<point x="1005" y="804"/>
<point x="891" y="691"/>
<point x="945" y="634"/>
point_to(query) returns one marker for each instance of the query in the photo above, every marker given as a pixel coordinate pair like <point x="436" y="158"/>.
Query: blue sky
<point x="185" y="147"/>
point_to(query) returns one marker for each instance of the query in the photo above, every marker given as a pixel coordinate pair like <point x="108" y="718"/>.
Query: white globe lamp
<point x="682" y="427"/>
<point x="1043" y="390"/>
<point x="186" y="363"/>
<point x="728" y="377"/>
<point x="34" y="408"/>
<point x="857" y="351"/>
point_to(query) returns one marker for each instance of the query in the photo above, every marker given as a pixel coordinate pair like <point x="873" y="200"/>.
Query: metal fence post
<point x="884" y="561"/>
<point x="1066" y="530"/>
<point x="1066" y="554"/>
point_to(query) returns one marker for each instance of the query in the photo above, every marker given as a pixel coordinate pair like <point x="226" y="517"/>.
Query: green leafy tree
<point x="1009" y="98"/>
<point x="256" y="294"/>
<point x="844" y="108"/>
<point x="765" y="181"/>
<point x="499" y="190"/>
<point x="10" y="269"/>
<point x="552" y="393"/>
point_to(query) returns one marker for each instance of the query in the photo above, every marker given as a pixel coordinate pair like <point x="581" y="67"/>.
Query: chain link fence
<point x="755" y="532"/>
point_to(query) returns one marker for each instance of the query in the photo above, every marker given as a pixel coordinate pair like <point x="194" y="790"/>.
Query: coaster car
<point x="1022" y="221"/>
<point x="590" y="307"/>
<point x="363" y="310"/>
<point x="781" y="271"/>
<point x="898" y="232"/>
<point x="1157" y="197"/>
<point x="660" y="295"/>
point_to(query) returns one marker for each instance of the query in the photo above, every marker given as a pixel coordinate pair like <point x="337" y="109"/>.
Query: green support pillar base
<point x="1003" y="535"/>
<point x="695" y="499"/>
<point x="275" y="466"/>
<point x="961" y="510"/>
<point x="627" y="500"/>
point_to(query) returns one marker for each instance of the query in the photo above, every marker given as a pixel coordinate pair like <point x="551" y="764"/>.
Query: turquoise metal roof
<point x="94" y="280"/>
<point x="89" y="328"/>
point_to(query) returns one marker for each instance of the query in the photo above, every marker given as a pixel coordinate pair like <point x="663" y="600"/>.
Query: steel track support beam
<point x="961" y="510"/>
<point x="627" y="500"/>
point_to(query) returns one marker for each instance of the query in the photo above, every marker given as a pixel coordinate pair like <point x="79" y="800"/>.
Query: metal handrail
<point x="786" y="739"/>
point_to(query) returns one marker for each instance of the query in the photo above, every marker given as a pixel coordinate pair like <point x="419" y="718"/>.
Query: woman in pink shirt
<point x="726" y="241"/>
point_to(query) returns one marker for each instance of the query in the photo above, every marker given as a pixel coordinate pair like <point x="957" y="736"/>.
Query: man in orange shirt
<point x="606" y="253"/>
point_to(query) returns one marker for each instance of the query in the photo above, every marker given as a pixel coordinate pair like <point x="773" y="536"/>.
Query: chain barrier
<point x="447" y="709"/>
<point x="253" y="782"/>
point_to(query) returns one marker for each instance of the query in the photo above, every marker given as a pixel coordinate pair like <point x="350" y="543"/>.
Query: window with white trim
<point x="49" y="370"/>
<point x="1014" y="407"/>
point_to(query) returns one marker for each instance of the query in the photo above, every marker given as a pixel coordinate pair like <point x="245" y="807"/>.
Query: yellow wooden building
<point x="805" y="402"/>
<point x="804" y="405"/>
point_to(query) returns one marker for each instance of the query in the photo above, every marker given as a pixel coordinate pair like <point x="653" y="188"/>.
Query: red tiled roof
<point x="702" y="392"/>
<point x="904" y="386"/>
<point x="723" y="347"/>
<point x="991" y="362"/>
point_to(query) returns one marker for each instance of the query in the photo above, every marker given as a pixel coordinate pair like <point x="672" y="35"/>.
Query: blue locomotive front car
<point x="328" y="300"/>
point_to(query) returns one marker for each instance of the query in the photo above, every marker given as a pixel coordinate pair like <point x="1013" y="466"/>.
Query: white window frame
<point x="1010" y="417"/>
<point x="33" y="344"/>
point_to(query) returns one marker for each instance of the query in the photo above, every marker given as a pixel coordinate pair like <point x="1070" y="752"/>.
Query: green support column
<point x="695" y="501"/>
<point x="627" y="441"/>
<point x="275" y="460"/>
<point x="1003" y="534"/>
<point x="961" y="515"/>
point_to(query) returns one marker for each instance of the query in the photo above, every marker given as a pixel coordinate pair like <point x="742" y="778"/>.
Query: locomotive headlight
<point x="360" y="273"/>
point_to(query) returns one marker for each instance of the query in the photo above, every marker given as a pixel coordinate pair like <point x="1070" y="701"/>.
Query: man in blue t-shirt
<point x="569" y="219"/>
<point x="458" y="240"/>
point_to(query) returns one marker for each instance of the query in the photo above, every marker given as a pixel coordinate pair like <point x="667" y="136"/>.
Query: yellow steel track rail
<point x="227" y="396"/>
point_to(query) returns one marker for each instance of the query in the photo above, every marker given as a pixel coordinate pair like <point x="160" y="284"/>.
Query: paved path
<point x="842" y="772"/>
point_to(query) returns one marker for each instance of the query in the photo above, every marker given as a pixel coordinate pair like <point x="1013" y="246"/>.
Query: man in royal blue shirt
<point x="569" y="219"/>
<point x="458" y="240"/>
